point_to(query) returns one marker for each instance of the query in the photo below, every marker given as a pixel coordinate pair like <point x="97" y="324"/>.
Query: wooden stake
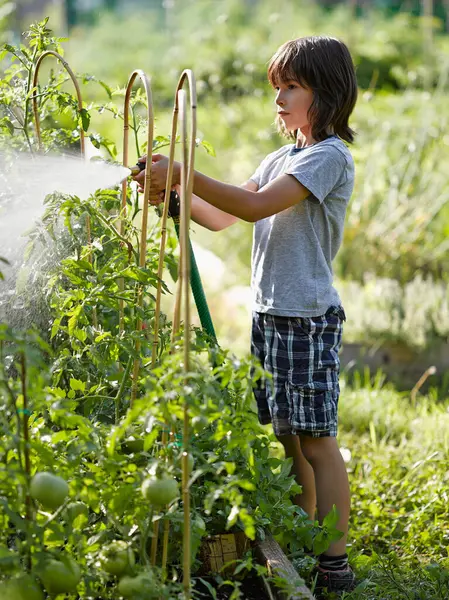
<point x="188" y="152"/>
<point x="146" y="196"/>
<point x="37" y="123"/>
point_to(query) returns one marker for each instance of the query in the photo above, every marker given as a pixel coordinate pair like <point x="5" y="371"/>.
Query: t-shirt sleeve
<point x="320" y="170"/>
<point x="257" y="175"/>
<point x="260" y="172"/>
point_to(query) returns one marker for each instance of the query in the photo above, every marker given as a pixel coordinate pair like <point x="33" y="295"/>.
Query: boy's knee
<point x="290" y="442"/>
<point x="315" y="449"/>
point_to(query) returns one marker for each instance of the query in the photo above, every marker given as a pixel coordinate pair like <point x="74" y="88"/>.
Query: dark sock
<point x="334" y="563"/>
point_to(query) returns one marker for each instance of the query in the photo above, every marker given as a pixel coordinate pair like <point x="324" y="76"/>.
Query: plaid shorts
<point x="301" y="355"/>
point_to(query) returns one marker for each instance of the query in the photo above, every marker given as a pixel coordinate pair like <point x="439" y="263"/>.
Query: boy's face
<point x="293" y="103"/>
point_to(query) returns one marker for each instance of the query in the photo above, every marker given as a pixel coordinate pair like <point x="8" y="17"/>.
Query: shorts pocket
<point x="310" y="409"/>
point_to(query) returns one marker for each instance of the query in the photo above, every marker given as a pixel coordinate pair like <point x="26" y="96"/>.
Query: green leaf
<point x="320" y="543"/>
<point x="208" y="147"/>
<point x="95" y="138"/>
<point x="77" y="385"/>
<point x="74" y="319"/>
<point x="80" y="334"/>
<point x="103" y="336"/>
<point x="331" y="519"/>
<point x="246" y="485"/>
<point x="84" y="119"/>
<point x="106" y="88"/>
<point x="55" y="328"/>
<point x="5" y="123"/>
<point x="212" y="591"/>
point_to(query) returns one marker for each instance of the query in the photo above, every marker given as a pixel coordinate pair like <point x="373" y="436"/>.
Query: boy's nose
<point x="279" y="99"/>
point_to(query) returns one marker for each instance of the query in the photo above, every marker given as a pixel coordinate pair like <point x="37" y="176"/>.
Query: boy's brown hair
<point x="323" y="65"/>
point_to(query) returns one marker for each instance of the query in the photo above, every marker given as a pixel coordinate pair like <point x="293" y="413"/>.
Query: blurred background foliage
<point x="397" y="229"/>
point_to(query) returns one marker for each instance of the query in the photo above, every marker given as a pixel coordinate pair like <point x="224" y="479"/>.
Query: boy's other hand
<point x="159" y="167"/>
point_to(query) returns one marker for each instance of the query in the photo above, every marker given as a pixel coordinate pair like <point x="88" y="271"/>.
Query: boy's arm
<point x="210" y="216"/>
<point x="281" y="193"/>
<point x="246" y="204"/>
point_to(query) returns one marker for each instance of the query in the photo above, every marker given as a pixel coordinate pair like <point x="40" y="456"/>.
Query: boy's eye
<point x="291" y="86"/>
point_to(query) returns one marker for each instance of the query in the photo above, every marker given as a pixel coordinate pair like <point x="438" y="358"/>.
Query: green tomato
<point x="75" y="509"/>
<point x="116" y="558"/>
<point x="24" y="587"/>
<point x="60" y="576"/>
<point x="141" y="586"/>
<point x="160" y="491"/>
<point x="48" y="489"/>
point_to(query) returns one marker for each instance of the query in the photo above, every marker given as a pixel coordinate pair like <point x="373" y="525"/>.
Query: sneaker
<point x="333" y="582"/>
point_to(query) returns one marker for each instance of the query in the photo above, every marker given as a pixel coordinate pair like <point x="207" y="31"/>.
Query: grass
<point x="398" y="462"/>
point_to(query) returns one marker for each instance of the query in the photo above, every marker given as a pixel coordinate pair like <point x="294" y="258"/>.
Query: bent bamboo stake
<point x="72" y="75"/>
<point x="188" y="167"/>
<point x="187" y="175"/>
<point x="146" y="196"/>
<point x="37" y="123"/>
<point x="187" y="75"/>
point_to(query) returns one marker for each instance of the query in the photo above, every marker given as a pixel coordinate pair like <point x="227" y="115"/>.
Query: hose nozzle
<point x="136" y="169"/>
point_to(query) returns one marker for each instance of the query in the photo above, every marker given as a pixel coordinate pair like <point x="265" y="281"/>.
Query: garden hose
<point x="195" y="278"/>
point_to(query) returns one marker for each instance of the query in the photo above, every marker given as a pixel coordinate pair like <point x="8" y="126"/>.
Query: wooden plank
<point x="271" y="555"/>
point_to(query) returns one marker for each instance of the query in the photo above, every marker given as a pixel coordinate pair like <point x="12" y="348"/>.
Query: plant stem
<point x="27" y="100"/>
<point x="135" y="130"/>
<point x="121" y="389"/>
<point x="116" y="233"/>
<point x="26" y="439"/>
<point x="144" y="538"/>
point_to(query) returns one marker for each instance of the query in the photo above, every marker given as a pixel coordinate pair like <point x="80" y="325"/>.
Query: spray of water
<point x="25" y="181"/>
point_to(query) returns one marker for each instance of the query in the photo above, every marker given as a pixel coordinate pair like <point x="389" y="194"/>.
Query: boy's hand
<point x="159" y="168"/>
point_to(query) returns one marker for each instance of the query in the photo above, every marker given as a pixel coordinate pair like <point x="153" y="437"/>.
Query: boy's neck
<point x="304" y="137"/>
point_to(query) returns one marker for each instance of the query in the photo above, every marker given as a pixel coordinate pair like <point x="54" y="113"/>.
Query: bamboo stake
<point x="146" y="196"/>
<point x="187" y="174"/>
<point x="34" y="97"/>
<point x="187" y="75"/>
<point x="37" y="122"/>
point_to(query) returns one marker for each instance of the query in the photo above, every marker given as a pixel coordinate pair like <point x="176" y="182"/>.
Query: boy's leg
<point x="303" y="473"/>
<point x="331" y="482"/>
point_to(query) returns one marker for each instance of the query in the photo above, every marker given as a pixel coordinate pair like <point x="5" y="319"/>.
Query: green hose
<point x="195" y="278"/>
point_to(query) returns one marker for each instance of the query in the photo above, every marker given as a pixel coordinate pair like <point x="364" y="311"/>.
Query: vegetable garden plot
<point x="127" y="438"/>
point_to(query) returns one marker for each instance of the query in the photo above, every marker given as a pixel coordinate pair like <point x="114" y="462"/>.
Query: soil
<point x="252" y="588"/>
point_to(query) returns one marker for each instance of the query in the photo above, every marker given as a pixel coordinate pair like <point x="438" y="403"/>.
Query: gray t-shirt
<point x="293" y="250"/>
